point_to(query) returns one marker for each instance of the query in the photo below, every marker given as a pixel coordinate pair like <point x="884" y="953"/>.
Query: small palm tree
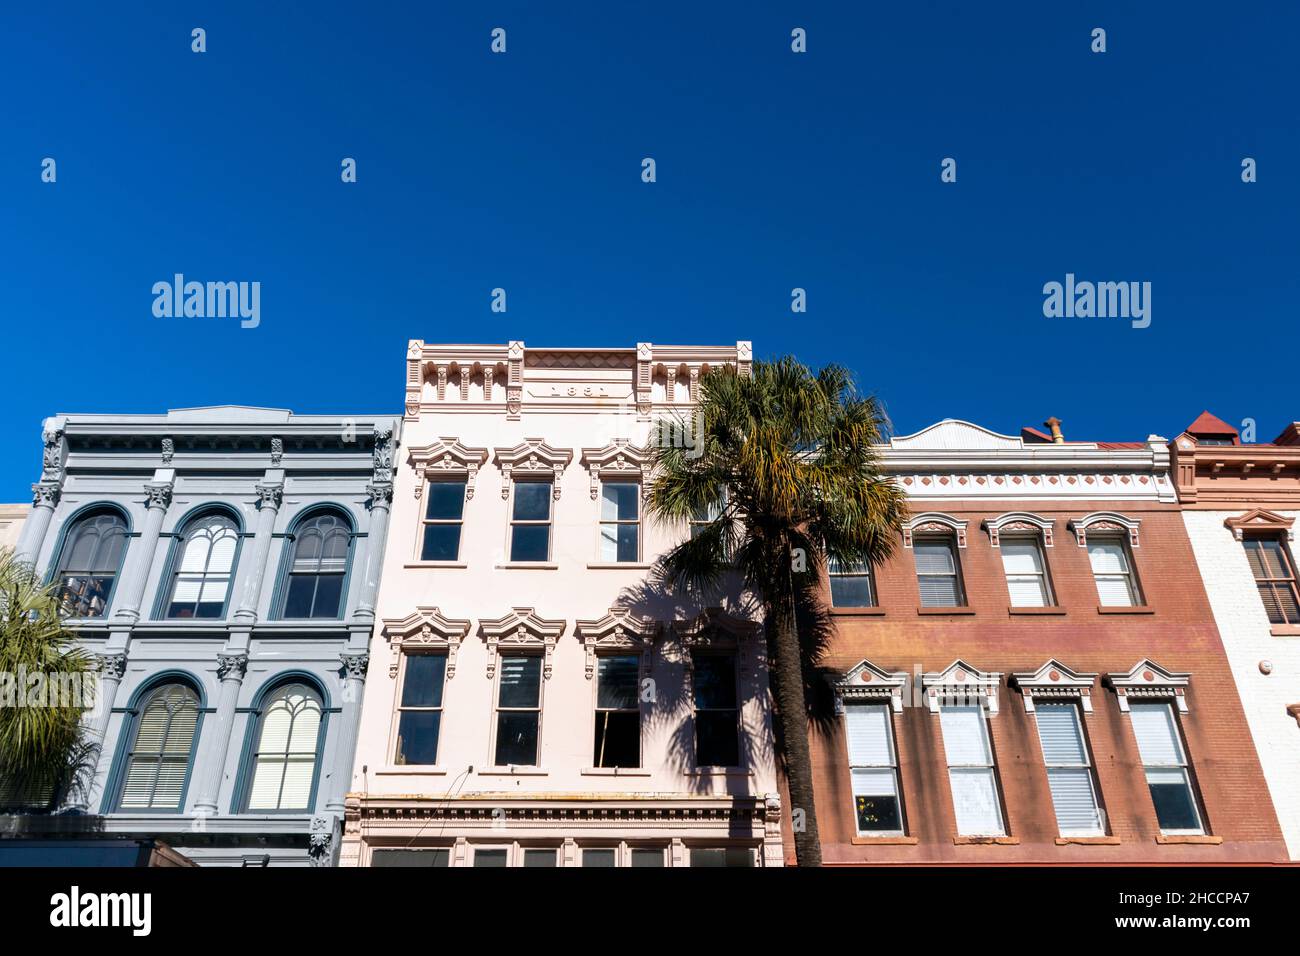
<point x="779" y="474"/>
<point x="43" y="756"/>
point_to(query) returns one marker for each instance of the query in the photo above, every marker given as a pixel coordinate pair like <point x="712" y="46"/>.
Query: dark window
<point x="1165" y="764"/>
<point x="90" y="563"/>
<point x="937" y="573"/>
<point x="850" y="585"/>
<point x="643" y="856"/>
<point x="717" y="734"/>
<point x="204" y="568"/>
<point x="599" y="856"/>
<point x="618" y="712"/>
<point x="411" y="858"/>
<point x="1270" y="562"/>
<point x="722" y="856"/>
<point x="317" y="568"/>
<point x="542" y="858"/>
<point x="158" y="763"/>
<point x="420" y="711"/>
<point x="530" y="522"/>
<point x="444" y="512"/>
<point x="519" y="711"/>
<point x="495" y="857"/>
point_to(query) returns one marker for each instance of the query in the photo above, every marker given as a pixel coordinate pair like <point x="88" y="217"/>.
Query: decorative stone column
<point x="381" y="505"/>
<point x="230" y="671"/>
<point x="45" y="498"/>
<point x="112" y="667"/>
<point x="141" y="553"/>
<point x="355" y="666"/>
<point x="269" y="497"/>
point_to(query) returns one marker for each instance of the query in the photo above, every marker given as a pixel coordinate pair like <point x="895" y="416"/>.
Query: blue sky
<point x="775" y="171"/>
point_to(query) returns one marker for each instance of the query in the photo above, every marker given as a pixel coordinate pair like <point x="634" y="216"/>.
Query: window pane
<point x="1107" y="557"/>
<point x="520" y="681"/>
<point x="422" y="684"/>
<point x="532" y="501"/>
<point x="618" y="739"/>
<point x="441" y="542"/>
<point x="716" y="743"/>
<point x="867" y="727"/>
<point x="715" y="680"/>
<point x="965" y="739"/>
<point x="544" y="858"/>
<point x="1027" y="592"/>
<point x="617" y="678"/>
<point x="619" y="500"/>
<point x="1157" y="735"/>
<point x="490" y="858"/>
<point x="939" y="592"/>
<point x="411" y="858"/>
<point x="530" y="542"/>
<point x="975" y="801"/>
<point x="417" y="737"/>
<point x="598" y="857"/>
<point x="1115" y="591"/>
<point x="875" y="801"/>
<point x="1172" y="796"/>
<point x="298" y="600"/>
<point x="647" y="856"/>
<point x="721" y="856"/>
<point x="1021" y="557"/>
<point x="1074" y="801"/>
<point x="618" y="542"/>
<point x="446" y="500"/>
<point x="516" y="739"/>
<point x="851" y="591"/>
<point x="934" y="557"/>
<point x="329" y="594"/>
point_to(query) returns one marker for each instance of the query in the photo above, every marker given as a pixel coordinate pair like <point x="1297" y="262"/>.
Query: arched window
<point x="90" y="561"/>
<point x="162" y="745"/>
<point x="317" y="568"/>
<point x="285" y="754"/>
<point x="203" y="569"/>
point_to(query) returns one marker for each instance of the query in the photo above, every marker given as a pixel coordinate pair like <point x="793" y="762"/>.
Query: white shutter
<point x="1061" y="735"/>
<point x="868" y="731"/>
<point x="1107" y="557"/>
<point x="1114" y="591"/>
<point x="1027" y="592"/>
<point x="939" y="591"/>
<point x="975" y="801"/>
<point x="964" y="737"/>
<point x="874" y="783"/>
<point x="1157" y="735"/>
<point x="1074" y="801"/>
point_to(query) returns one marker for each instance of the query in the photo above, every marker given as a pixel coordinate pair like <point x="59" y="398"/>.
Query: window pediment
<point x="521" y="629"/>
<point x="865" y="682"/>
<point x="1019" y="522"/>
<point x="961" y="681"/>
<point x="425" y="627"/>
<point x="1106" y="522"/>
<point x="447" y="457"/>
<point x="619" y="459"/>
<point x="934" y="522"/>
<point x="1147" y="679"/>
<point x="1260" y="520"/>
<point x="1055" y="681"/>
<point x="532" y="456"/>
<point x="620" y="629"/>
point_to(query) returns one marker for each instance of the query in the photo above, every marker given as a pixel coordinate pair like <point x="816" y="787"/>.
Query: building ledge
<point x="885" y="841"/>
<point x="986" y="841"/>
<point x="620" y="566"/>
<point x="513" y="772"/>
<point x="615" y="772"/>
<point x="857" y="612"/>
<point x="932" y="611"/>
<point x="1054" y="609"/>
<point x="435" y="564"/>
<point x="1284" y="630"/>
<point x="1088" y="841"/>
<point x="411" y="770"/>
<point x="720" y="772"/>
<point x="1192" y="838"/>
<point x="527" y="566"/>
<point x="1133" y="609"/>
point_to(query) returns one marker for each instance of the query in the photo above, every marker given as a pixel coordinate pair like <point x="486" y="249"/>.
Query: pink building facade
<point x="535" y="698"/>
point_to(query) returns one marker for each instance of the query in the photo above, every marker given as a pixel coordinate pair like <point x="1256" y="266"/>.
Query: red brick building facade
<point x="1047" y="593"/>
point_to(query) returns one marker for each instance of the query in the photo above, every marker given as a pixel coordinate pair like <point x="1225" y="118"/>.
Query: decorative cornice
<point x="425" y="627"/>
<point x="619" y="629"/>
<point x="867" y="683"/>
<point x="521" y="628"/>
<point x="715" y="626"/>
<point x="619" y="458"/>
<point x="1019" y="522"/>
<point x="532" y="456"/>
<point x="1147" y="679"/>
<point x="1055" y="681"/>
<point x="959" y="681"/>
<point x="169" y="451"/>
<point x="447" y="457"/>
<point x="1269" y="522"/>
<point x="1108" y="522"/>
<point x="934" y="522"/>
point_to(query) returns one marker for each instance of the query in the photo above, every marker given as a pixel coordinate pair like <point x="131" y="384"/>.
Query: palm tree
<point x="778" y="475"/>
<point x="43" y="756"/>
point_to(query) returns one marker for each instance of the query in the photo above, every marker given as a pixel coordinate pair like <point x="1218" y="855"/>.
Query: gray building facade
<point x="222" y="565"/>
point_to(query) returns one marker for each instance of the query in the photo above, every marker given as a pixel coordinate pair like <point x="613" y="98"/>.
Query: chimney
<point x="1054" y="424"/>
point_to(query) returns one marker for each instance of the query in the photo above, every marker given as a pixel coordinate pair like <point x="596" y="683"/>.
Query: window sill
<point x="932" y="611"/>
<point x="619" y="566"/>
<point x="412" y="770"/>
<point x="527" y="566"/>
<point x="1088" y="841"/>
<point x="1185" y="838"/>
<point x="435" y="564"/>
<point x="986" y="841"/>
<point x="1132" y="609"/>
<point x="1284" y="630"/>
<point x="614" y="772"/>
<point x="1054" y="609"/>
<point x="857" y="612"/>
<point x="885" y="841"/>
<point x="513" y="772"/>
<point x="719" y="772"/>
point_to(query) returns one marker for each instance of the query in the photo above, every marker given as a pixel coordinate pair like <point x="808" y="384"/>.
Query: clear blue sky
<point x="775" y="170"/>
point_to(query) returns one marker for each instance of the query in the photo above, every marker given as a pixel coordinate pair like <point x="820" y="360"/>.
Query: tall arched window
<point x="162" y="745"/>
<point x="317" y="568"/>
<point x="286" y="751"/>
<point x="90" y="561"/>
<point x="203" y="570"/>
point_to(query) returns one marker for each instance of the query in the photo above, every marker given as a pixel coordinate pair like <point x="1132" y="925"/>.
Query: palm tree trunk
<point x="786" y="673"/>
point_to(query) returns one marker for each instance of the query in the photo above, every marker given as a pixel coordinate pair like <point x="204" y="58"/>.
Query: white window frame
<point x="1086" y="766"/>
<point x="425" y="521"/>
<point x="1044" y="579"/>
<point x="989" y="767"/>
<point x="1181" y="765"/>
<point x="1129" y="575"/>
<point x="497" y="709"/>
<point x="892" y="767"/>
<point x="549" y="523"/>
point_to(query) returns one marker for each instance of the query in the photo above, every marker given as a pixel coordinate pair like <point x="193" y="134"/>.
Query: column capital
<point x="159" y="494"/>
<point x="356" y="665"/>
<point x="111" y="666"/>
<point x="381" y="493"/>
<point x="46" y="494"/>
<point x="269" y="495"/>
<point x="231" y="666"/>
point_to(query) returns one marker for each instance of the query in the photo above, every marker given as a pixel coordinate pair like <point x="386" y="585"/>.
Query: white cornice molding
<point x="1054" y="681"/>
<point x="867" y="683"/>
<point x="960" y="681"/>
<point x="1147" y="679"/>
<point x="1110" y="522"/>
<point x="618" y="629"/>
<point x="532" y="456"/>
<point x="425" y="627"/>
<point x="447" y="457"/>
<point x="619" y="459"/>
<point x="522" y="628"/>
<point x="1017" y="522"/>
<point x="934" y="522"/>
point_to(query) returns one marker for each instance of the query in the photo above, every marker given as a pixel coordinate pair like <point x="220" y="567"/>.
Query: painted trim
<point x="130" y="723"/>
<point x="279" y="591"/>
<point x="162" y="597"/>
<point x="244" y="776"/>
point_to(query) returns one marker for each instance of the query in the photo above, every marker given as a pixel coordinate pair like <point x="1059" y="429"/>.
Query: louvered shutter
<point x="285" y="763"/>
<point x="936" y="570"/>
<point x="1068" y="775"/>
<point x="1157" y="735"/>
<point x="160" y="754"/>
